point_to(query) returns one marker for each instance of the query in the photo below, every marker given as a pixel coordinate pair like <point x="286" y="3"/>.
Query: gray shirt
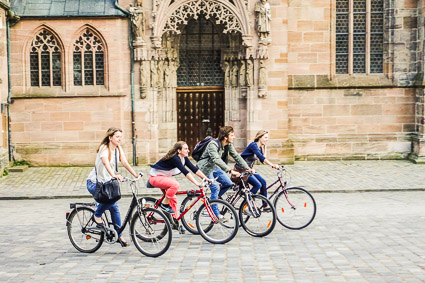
<point x="211" y="158"/>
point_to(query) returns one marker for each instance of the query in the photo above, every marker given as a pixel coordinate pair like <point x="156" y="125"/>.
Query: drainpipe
<point x="130" y="43"/>
<point x="11" y="20"/>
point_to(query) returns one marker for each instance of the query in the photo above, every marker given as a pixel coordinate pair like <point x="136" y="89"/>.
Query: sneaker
<point x="266" y="209"/>
<point x="221" y="218"/>
<point x="167" y="208"/>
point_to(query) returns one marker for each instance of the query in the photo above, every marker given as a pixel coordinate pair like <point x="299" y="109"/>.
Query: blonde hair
<point x="106" y="141"/>
<point x="178" y="145"/>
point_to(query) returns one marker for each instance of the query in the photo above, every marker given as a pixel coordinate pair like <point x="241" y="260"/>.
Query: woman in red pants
<point x="171" y="164"/>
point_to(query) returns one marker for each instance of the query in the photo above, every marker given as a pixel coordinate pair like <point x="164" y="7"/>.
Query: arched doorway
<point x="200" y="80"/>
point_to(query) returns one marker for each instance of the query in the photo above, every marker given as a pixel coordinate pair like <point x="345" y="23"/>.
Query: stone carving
<point x="263" y="18"/>
<point x="235" y="74"/>
<point x="160" y="71"/>
<point x="249" y="73"/>
<point x="191" y="9"/>
<point x="226" y="70"/>
<point x="137" y="16"/>
<point x="174" y="65"/>
<point x="167" y="75"/>
<point x="154" y="74"/>
<point x="262" y="79"/>
<point x="144" y="74"/>
<point x="242" y="73"/>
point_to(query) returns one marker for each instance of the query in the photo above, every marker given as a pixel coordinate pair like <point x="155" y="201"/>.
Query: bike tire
<point x="189" y="219"/>
<point x="81" y="236"/>
<point x="258" y="223"/>
<point x="224" y="230"/>
<point x="298" y="215"/>
<point x="151" y="232"/>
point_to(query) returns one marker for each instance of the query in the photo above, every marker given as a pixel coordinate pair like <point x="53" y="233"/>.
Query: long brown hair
<point x="178" y="145"/>
<point x="258" y="136"/>
<point x="106" y="141"/>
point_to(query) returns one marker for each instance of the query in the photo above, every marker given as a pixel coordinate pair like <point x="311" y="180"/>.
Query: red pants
<point x="170" y="186"/>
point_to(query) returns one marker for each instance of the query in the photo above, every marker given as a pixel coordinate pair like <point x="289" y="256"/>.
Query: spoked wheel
<point x="151" y="232"/>
<point x="295" y="208"/>
<point x="254" y="219"/>
<point x="82" y="231"/>
<point x="221" y="231"/>
<point x="189" y="219"/>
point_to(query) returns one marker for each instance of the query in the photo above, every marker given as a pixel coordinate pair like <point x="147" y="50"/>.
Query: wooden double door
<point x="200" y="112"/>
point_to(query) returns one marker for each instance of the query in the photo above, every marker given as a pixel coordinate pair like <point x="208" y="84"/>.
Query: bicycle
<point x="295" y="206"/>
<point x="208" y="225"/>
<point x="255" y="220"/>
<point x="150" y="229"/>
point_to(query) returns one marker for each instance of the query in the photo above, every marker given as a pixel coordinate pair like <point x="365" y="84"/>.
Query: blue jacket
<point x="175" y="162"/>
<point x="251" y="153"/>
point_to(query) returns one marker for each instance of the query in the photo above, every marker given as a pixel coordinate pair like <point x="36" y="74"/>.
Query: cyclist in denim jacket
<point x="253" y="152"/>
<point x="213" y="163"/>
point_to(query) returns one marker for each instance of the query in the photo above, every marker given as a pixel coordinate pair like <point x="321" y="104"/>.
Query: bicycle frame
<point x="201" y="196"/>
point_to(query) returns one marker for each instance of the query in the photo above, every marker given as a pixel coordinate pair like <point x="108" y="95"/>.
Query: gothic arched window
<point x="89" y="59"/>
<point x="359" y="36"/>
<point x="45" y="60"/>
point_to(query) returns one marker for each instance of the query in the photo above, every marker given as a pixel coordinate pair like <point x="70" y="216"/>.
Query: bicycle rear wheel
<point x="295" y="208"/>
<point x="82" y="231"/>
<point x="189" y="219"/>
<point x="224" y="230"/>
<point x="151" y="232"/>
<point x="255" y="221"/>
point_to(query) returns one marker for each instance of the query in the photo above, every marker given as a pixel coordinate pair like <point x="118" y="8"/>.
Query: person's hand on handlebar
<point x="118" y="177"/>
<point x="275" y="166"/>
<point x="234" y="173"/>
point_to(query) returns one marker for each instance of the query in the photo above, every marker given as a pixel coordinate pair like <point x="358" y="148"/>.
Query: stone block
<point x="21" y="168"/>
<point x="304" y="81"/>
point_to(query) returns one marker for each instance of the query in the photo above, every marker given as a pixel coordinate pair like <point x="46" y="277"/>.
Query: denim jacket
<point x="211" y="158"/>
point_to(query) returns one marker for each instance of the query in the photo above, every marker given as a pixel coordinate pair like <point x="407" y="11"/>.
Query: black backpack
<point x="201" y="146"/>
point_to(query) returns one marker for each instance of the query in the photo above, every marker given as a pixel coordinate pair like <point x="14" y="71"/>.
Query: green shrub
<point x="20" y="163"/>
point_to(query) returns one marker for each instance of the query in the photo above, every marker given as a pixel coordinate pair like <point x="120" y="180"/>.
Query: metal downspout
<point x="9" y="92"/>
<point x="130" y="43"/>
<point x="15" y="18"/>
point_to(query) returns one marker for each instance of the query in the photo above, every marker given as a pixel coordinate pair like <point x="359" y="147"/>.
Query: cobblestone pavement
<point x="326" y="176"/>
<point x="355" y="237"/>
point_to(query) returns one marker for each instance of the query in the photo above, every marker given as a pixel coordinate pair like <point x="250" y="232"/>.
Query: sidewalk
<point x="315" y="176"/>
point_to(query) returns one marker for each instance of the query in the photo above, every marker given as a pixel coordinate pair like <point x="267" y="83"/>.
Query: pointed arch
<point x="89" y="57"/>
<point x="46" y="58"/>
<point x="172" y="15"/>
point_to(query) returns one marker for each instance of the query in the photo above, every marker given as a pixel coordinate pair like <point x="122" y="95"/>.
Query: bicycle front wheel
<point x="82" y="231"/>
<point x="151" y="232"/>
<point x="189" y="219"/>
<point x="295" y="208"/>
<point x="256" y="221"/>
<point x="221" y="231"/>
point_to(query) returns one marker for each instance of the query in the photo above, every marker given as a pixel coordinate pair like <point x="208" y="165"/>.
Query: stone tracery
<point x="192" y="9"/>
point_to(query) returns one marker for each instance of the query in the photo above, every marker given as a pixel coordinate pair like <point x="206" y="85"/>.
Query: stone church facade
<point x="334" y="79"/>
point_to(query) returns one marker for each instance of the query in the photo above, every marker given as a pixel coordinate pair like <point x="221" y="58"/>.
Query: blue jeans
<point x="257" y="182"/>
<point x="216" y="191"/>
<point x="102" y="207"/>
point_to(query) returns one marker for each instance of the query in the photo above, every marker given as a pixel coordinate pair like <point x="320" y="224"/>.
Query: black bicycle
<point x="254" y="218"/>
<point x="150" y="229"/>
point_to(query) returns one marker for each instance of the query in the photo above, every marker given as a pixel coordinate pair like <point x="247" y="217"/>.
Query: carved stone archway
<point x="170" y="16"/>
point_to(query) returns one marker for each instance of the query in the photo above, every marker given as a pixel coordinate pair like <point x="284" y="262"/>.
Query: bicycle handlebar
<point x="126" y="179"/>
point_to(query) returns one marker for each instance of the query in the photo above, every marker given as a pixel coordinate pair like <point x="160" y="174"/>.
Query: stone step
<point x="20" y="168"/>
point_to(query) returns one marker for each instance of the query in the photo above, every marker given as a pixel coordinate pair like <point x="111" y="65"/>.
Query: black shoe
<point x="123" y="243"/>
<point x="98" y="225"/>
<point x="167" y="208"/>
